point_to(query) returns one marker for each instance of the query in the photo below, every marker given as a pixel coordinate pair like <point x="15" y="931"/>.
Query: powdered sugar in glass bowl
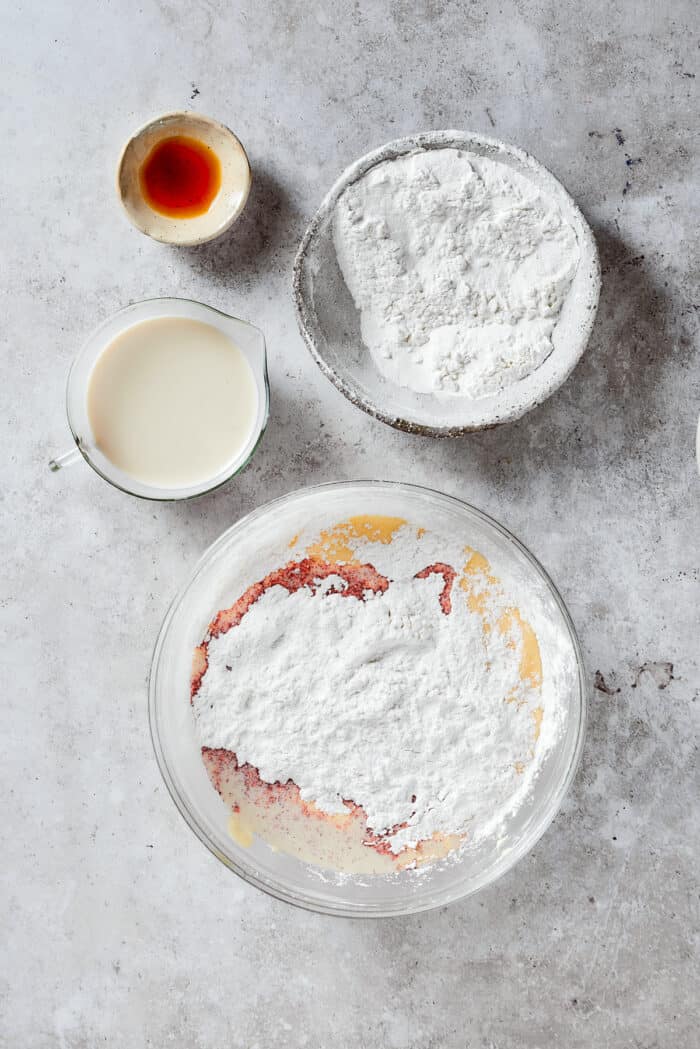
<point x="245" y="553"/>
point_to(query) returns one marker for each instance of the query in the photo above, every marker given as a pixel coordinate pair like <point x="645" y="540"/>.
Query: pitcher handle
<point x="67" y="459"/>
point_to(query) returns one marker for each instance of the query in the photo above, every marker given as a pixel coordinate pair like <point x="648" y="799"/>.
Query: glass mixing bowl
<point x="244" y="554"/>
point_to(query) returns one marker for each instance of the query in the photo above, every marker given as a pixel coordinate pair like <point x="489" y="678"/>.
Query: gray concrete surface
<point x="118" y="928"/>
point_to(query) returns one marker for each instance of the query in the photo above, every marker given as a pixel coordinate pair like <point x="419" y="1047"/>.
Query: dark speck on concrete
<point x="626" y="189"/>
<point x="631" y="161"/>
<point x="195" y="92"/>
<point x="635" y="260"/>
<point x="602" y="685"/>
<point x="492" y="122"/>
<point x="619" y="136"/>
<point x="661" y="673"/>
<point x="595" y="134"/>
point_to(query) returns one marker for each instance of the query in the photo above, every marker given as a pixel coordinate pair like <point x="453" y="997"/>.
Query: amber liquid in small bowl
<point x="180" y="177"/>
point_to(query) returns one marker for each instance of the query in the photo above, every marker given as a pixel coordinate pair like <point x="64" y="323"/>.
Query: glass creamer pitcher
<point x="249" y="340"/>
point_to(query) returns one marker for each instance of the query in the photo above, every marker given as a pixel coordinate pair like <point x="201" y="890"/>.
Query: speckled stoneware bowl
<point x="330" y="322"/>
<point x="227" y="204"/>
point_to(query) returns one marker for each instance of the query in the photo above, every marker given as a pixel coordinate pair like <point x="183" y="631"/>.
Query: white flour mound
<point x="459" y="267"/>
<point x="387" y="702"/>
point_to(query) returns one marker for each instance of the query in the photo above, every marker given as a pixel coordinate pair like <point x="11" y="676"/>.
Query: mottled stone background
<point x="118" y="927"/>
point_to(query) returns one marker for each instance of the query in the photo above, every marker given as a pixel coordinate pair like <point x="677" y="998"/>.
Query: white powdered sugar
<point x="422" y="718"/>
<point x="459" y="266"/>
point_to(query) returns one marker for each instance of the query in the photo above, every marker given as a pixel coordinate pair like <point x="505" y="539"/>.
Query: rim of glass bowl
<point x="262" y="385"/>
<point x="306" y="901"/>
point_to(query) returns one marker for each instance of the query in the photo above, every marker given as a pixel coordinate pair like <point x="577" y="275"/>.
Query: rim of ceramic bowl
<point x="422" y="142"/>
<point x="196" y="118"/>
<point x="277" y="889"/>
<point x="262" y="386"/>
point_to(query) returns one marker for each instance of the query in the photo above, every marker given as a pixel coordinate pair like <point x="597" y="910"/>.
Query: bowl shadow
<point x="612" y="392"/>
<point x="244" y="253"/>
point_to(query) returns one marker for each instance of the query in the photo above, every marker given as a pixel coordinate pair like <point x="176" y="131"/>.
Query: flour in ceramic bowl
<point x="409" y="688"/>
<point x="459" y="266"/>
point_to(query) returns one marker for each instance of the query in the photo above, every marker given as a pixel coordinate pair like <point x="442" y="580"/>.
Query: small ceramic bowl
<point x="227" y="204"/>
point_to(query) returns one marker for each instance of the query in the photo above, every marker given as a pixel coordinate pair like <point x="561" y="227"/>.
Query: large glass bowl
<point x="242" y="555"/>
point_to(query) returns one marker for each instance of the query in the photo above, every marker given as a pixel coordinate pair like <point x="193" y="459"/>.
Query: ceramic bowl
<point x="330" y="323"/>
<point x="226" y="206"/>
